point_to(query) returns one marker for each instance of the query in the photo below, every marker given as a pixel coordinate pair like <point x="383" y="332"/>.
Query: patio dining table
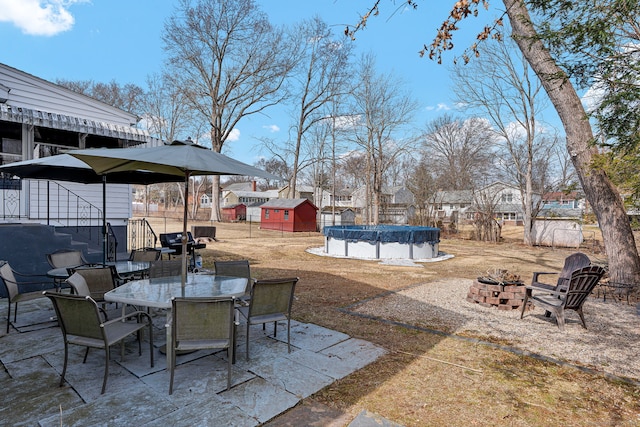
<point x="158" y="292"/>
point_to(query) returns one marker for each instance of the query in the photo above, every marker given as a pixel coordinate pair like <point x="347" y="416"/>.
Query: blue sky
<point x="105" y="40"/>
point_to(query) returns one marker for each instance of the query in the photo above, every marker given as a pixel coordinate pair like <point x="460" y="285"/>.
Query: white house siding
<point x="28" y="91"/>
<point x="63" y="205"/>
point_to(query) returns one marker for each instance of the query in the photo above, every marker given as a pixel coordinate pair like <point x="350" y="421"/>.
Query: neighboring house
<point x="396" y="204"/>
<point x="562" y="200"/>
<point x="205" y="201"/>
<point x="302" y="192"/>
<point x="288" y="215"/>
<point x="504" y="199"/>
<point x="240" y="186"/>
<point x="390" y="195"/>
<point x="397" y="213"/>
<point x="343" y="216"/>
<point x="343" y="198"/>
<point x="448" y="205"/>
<point x="248" y="197"/>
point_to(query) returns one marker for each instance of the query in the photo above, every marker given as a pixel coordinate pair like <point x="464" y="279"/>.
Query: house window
<point x="266" y="214"/>
<point x="507" y="197"/>
<point x="286" y="215"/>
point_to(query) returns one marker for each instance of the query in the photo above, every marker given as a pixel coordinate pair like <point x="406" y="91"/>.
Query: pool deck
<point x="271" y="383"/>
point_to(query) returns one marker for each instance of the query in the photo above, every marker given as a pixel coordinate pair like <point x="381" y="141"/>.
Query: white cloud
<point x="38" y="17"/>
<point x="272" y="128"/>
<point x="440" y="107"/>
<point x="234" y="135"/>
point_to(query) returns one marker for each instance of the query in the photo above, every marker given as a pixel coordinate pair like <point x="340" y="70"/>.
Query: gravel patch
<point x="610" y="344"/>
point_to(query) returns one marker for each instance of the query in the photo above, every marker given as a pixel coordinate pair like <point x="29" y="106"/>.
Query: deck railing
<point x="48" y="202"/>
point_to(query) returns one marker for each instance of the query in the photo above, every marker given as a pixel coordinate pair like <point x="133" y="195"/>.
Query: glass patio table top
<point x="157" y="292"/>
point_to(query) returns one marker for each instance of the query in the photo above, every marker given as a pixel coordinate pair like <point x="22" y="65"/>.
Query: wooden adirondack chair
<point x="578" y="288"/>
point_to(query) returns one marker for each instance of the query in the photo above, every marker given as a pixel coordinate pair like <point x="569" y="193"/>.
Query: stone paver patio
<point x="272" y="382"/>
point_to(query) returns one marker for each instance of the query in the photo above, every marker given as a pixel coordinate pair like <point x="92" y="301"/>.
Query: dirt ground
<point x="431" y="378"/>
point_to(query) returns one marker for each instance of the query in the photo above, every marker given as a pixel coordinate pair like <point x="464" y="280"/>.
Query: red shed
<point x="288" y="215"/>
<point x="237" y="212"/>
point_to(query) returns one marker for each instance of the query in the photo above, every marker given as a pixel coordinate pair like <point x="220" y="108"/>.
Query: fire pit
<point x="498" y="289"/>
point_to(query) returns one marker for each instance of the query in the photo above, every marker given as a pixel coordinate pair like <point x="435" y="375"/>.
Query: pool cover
<point x="383" y="233"/>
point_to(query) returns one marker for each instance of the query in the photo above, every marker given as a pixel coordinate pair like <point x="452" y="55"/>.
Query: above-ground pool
<point x="382" y="241"/>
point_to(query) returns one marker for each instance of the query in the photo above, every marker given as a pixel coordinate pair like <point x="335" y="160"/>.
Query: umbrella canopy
<point x="64" y="167"/>
<point x="180" y="158"/>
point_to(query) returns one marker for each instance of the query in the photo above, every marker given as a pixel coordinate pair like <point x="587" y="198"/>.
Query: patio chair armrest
<point x="128" y="316"/>
<point x="535" y="282"/>
<point x="538" y="273"/>
<point x="43" y="276"/>
<point x="44" y="284"/>
<point x="542" y="286"/>
<point x="545" y="291"/>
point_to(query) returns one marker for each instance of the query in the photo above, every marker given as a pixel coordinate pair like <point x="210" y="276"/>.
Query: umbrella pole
<point x="184" y="230"/>
<point x="104" y="220"/>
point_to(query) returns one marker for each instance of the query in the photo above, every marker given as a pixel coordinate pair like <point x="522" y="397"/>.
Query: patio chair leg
<point x="229" y="363"/>
<point x="106" y="369"/>
<point x="151" y="341"/>
<point x="275" y="329"/>
<point x="86" y="353"/>
<point x="64" y="366"/>
<point x="579" y="310"/>
<point x="8" y="316"/>
<point x="560" y="320"/>
<point x="524" y="303"/>
<point x="172" y="368"/>
<point x="289" y="334"/>
<point x="247" y="345"/>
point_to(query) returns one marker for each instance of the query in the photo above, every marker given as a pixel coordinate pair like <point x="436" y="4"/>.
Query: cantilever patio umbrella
<point x="180" y="158"/>
<point x="64" y="167"/>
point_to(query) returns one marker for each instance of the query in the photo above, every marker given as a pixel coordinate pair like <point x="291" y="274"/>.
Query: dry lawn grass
<point x="429" y="378"/>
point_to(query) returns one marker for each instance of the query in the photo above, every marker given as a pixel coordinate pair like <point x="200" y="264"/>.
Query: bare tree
<point x="581" y="45"/>
<point x="384" y="108"/>
<point x="276" y="166"/>
<point x="421" y="182"/>
<point x="352" y="166"/>
<point x="501" y="84"/>
<point x="166" y="116"/>
<point x="322" y="75"/>
<point x="229" y="62"/>
<point x="127" y="97"/>
<point x="485" y="203"/>
<point x="461" y="151"/>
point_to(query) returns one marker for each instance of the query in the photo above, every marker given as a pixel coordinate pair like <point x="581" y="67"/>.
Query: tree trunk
<point x="215" y="198"/>
<point x="620" y="247"/>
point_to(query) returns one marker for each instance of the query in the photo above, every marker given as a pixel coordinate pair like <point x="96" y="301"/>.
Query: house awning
<point x="73" y="124"/>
